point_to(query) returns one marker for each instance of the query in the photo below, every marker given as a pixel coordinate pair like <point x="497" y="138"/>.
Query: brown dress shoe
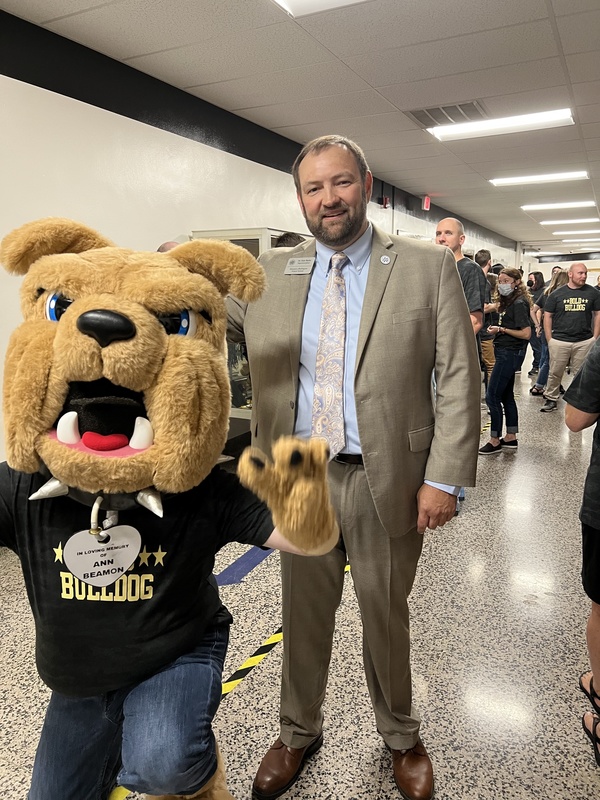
<point x="413" y="772"/>
<point x="280" y="769"/>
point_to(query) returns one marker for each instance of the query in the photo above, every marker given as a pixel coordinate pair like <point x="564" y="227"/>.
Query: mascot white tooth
<point x="116" y="407"/>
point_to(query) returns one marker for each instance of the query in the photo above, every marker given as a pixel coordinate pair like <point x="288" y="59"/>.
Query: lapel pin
<point x="385" y="259"/>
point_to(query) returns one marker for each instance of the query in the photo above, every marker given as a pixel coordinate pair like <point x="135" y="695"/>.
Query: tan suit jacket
<point x="414" y="321"/>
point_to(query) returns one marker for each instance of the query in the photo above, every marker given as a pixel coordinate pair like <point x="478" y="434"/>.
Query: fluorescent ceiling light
<point x="492" y="127"/>
<point x="536" y="253"/>
<point x="569" y="221"/>
<point x="552" y="206"/>
<point x="570" y="241"/>
<point x="570" y="233"/>
<point x="302" y="8"/>
<point x="553" y="178"/>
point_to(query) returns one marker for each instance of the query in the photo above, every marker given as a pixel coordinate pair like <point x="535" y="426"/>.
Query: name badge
<point x="102" y="563"/>
<point x="299" y="266"/>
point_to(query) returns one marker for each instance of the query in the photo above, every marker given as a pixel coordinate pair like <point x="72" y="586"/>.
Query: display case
<point x="256" y="241"/>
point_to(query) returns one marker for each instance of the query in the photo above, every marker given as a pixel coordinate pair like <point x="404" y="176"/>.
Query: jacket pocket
<point x="411" y="314"/>
<point x="420" y="439"/>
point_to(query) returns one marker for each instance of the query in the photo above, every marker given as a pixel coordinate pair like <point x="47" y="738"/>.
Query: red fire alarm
<point x="384" y="202"/>
<point x="426" y="203"/>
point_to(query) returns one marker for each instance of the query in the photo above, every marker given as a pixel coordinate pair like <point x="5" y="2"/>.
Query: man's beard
<point x="342" y="234"/>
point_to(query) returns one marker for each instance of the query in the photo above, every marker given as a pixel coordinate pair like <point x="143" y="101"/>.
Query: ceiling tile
<point x="488" y="49"/>
<point x="325" y="110"/>
<point x="583" y="67"/>
<point x="385" y="141"/>
<point x="590" y="131"/>
<point x="586" y="93"/>
<point x="34" y="11"/>
<point x="239" y="55"/>
<point x="579" y="32"/>
<point x="353" y="127"/>
<point x="507" y="105"/>
<point x="587" y="114"/>
<point x="136" y="27"/>
<point x="562" y="7"/>
<point x="383" y="24"/>
<point x="474" y="85"/>
<point x="301" y="83"/>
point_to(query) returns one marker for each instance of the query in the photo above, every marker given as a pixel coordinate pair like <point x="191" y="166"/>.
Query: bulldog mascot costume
<point x="116" y="408"/>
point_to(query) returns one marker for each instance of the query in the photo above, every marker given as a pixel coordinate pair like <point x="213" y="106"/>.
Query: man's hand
<point x="435" y="507"/>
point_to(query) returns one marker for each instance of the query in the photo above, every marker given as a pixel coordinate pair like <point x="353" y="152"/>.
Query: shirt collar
<point x="358" y="252"/>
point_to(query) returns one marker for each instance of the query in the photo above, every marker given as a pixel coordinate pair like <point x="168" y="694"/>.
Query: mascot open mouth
<point x="103" y="419"/>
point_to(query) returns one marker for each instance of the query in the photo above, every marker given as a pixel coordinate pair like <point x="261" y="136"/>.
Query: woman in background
<point x="559" y="278"/>
<point x="535" y="284"/>
<point x="510" y="342"/>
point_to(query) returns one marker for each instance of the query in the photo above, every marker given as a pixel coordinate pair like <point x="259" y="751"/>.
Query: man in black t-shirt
<point x="571" y="325"/>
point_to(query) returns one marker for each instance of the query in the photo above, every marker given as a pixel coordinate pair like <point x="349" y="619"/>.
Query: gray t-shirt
<point x="474" y="283"/>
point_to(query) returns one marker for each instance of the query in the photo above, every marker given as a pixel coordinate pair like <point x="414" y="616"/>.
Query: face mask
<point x="505" y="289"/>
<point x="530" y="284"/>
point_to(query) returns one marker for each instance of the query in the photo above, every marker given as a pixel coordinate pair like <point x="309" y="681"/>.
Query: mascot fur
<point x="116" y="409"/>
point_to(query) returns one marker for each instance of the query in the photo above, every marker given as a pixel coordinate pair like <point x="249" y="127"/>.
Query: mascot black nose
<point x="106" y="326"/>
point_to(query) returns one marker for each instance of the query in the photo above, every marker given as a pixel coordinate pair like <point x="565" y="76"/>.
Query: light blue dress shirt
<point x="355" y="273"/>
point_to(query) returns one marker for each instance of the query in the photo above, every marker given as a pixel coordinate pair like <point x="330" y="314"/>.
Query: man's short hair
<point x="497" y="269"/>
<point x="483" y="257"/>
<point x="322" y="143"/>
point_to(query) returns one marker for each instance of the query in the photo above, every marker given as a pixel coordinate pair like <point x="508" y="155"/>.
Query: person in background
<point x="510" y="342"/>
<point x="555" y="271"/>
<point x="571" y="324"/>
<point x="559" y="278"/>
<point x="598" y="282"/>
<point x="397" y="458"/>
<point x="582" y="411"/>
<point x="166" y="246"/>
<point x="490" y="316"/>
<point x="535" y="284"/>
<point x="288" y="239"/>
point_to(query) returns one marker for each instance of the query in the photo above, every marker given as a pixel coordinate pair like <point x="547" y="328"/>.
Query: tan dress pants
<point x="561" y="353"/>
<point x="383" y="570"/>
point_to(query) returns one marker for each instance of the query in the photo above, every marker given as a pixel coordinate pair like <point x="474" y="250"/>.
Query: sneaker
<point x="549" y="405"/>
<point x="512" y="445"/>
<point x="533" y="371"/>
<point x="489" y="448"/>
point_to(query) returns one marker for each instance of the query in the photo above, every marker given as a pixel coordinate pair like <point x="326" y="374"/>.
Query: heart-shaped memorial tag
<point x="101" y="563"/>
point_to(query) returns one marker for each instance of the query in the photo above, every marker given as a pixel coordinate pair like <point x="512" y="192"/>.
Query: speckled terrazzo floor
<point x="498" y="619"/>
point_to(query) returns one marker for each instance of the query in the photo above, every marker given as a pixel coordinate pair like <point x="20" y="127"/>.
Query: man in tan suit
<point x="403" y="458"/>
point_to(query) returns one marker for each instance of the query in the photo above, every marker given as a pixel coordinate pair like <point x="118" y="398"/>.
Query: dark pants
<point x="536" y="346"/>
<point x="500" y="395"/>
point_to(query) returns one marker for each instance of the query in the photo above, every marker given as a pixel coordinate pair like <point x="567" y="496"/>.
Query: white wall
<point x="134" y="183"/>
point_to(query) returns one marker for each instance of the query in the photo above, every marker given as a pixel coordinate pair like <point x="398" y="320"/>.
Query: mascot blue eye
<point x="56" y="305"/>
<point x="180" y="323"/>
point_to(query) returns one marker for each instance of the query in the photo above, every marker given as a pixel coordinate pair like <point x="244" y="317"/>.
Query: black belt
<point x="348" y="458"/>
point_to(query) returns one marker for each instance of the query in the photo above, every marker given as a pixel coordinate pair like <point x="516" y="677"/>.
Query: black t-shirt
<point x="489" y="318"/>
<point x="473" y="282"/>
<point x="515" y="317"/>
<point x="571" y="311"/>
<point x="584" y="394"/>
<point x="93" y="640"/>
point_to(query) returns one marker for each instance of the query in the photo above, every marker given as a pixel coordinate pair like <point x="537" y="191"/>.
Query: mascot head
<point x="117" y="379"/>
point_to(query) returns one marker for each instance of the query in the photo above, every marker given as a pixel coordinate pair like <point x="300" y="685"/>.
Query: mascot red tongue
<point x="96" y="441"/>
<point x="116" y="409"/>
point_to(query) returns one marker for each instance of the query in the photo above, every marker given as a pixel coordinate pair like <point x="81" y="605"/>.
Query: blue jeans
<point x="154" y="737"/>
<point x="500" y="392"/>
<point x="542" y="378"/>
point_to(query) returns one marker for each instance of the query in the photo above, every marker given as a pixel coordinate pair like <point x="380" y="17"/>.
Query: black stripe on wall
<point x="39" y="57"/>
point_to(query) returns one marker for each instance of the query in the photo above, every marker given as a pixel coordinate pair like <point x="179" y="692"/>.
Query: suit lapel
<point x="298" y="286"/>
<point x="379" y="274"/>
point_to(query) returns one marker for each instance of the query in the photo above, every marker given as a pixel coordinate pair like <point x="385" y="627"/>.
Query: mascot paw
<point x="294" y="486"/>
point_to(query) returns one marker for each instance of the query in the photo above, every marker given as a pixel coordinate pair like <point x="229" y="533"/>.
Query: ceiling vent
<point x="447" y="115"/>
